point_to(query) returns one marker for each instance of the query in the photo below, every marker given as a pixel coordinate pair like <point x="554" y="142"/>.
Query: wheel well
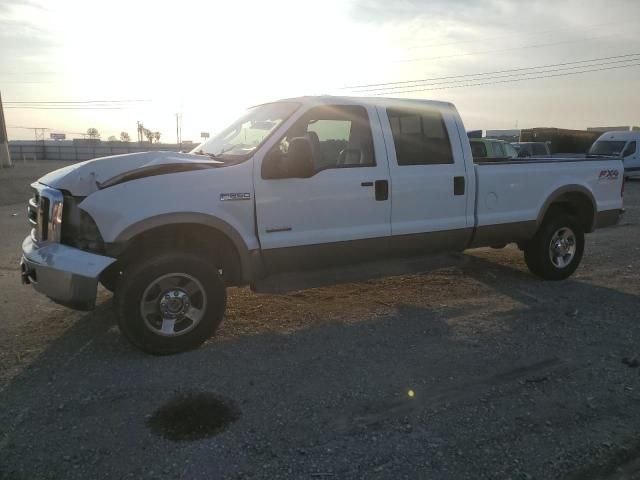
<point x="577" y="204"/>
<point x="192" y="237"/>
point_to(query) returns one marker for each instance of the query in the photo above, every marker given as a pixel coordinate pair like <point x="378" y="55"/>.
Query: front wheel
<point x="170" y="303"/>
<point x="556" y="250"/>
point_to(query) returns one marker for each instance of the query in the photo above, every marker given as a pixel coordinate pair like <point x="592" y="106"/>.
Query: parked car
<point x="486" y="149"/>
<point x="532" y="149"/>
<point x="622" y="145"/>
<point x="289" y="189"/>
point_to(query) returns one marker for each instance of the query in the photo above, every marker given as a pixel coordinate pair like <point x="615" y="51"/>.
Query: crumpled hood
<point x="84" y="178"/>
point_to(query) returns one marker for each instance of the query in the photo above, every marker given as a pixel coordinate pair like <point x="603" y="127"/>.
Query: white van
<point x="622" y="144"/>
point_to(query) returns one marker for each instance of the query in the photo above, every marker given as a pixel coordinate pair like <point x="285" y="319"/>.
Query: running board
<point x="326" y="277"/>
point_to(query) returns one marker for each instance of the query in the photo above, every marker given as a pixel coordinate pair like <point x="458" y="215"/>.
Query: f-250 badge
<point x="226" y="197"/>
<point x="608" y="175"/>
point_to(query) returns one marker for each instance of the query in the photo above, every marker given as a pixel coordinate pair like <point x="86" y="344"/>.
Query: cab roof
<point x="374" y="101"/>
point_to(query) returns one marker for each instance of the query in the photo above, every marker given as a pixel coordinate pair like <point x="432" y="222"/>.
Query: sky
<point x="209" y="61"/>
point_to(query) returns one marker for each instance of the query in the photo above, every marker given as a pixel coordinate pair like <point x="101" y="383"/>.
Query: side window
<point x="631" y="149"/>
<point x="510" y="151"/>
<point x="539" y="149"/>
<point x="420" y="136"/>
<point x="497" y="150"/>
<point x="340" y="136"/>
<point x="478" y="150"/>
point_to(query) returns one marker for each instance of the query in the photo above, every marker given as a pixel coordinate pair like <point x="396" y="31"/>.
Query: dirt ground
<point x="478" y="370"/>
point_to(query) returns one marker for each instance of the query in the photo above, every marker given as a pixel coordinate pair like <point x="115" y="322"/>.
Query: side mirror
<point x="298" y="162"/>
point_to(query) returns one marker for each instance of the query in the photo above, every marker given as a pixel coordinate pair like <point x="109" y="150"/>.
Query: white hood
<point x="84" y="178"/>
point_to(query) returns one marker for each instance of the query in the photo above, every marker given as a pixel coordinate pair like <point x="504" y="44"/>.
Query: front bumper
<point x="64" y="274"/>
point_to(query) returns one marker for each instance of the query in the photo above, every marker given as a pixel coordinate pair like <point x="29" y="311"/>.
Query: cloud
<point x="23" y="39"/>
<point x="405" y="10"/>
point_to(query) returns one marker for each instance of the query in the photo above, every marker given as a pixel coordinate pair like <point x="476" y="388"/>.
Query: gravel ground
<point x="478" y="370"/>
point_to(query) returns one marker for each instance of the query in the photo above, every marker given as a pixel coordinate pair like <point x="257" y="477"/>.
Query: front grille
<point x="39" y="212"/>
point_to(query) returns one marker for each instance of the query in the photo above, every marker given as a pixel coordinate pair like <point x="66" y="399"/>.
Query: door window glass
<point x="420" y="136"/>
<point x="340" y="136"/>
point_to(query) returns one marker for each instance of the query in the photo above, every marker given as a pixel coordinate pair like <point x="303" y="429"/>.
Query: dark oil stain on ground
<point x="192" y="416"/>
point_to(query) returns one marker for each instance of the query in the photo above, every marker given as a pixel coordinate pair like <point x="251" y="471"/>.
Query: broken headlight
<point x="79" y="230"/>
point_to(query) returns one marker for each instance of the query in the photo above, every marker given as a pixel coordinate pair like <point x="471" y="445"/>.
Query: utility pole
<point x="5" y="157"/>
<point x="178" y="132"/>
<point x="138" y="124"/>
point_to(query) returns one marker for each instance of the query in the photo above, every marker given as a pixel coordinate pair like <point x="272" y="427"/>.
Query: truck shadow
<point x="309" y="387"/>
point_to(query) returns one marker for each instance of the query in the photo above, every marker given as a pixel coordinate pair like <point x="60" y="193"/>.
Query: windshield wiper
<point x="212" y="156"/>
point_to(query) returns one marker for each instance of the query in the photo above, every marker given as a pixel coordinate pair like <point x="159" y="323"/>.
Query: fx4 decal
<point x="608" y="174"/>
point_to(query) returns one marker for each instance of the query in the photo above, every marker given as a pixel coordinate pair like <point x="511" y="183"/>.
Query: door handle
<point x="366" y="184"/>
<point x="382" y="190"/>
<point x="458" y="185"/>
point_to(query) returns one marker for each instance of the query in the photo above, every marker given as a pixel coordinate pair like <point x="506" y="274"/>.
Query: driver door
<point x="342" y="213"/>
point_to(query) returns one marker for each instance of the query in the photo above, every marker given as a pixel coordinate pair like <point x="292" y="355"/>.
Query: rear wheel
<point x="170" y="303"/>
<point x="556" y="250"/>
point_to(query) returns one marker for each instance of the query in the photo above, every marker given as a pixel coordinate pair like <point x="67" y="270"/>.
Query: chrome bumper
<point x="64" y="274"/>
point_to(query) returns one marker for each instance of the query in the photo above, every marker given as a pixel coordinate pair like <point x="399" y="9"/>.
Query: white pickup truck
<point x="295" y="186"/>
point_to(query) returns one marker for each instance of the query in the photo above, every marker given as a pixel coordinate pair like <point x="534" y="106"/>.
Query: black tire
<point x="537" y="251"/>
<point x="138" y="277"/>
<point x="110" y="277"/>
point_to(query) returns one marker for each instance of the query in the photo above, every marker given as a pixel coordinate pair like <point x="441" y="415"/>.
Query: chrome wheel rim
<point x="173" y="304"/>
<point x="562" y="248"/>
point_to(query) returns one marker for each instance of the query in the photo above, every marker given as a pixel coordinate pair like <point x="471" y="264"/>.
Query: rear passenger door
<point x="429" y="182"/>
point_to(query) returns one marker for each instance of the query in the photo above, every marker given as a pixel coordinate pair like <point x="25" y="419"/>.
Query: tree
<point x="157" y="136"/>
<point x="112" y="138"/>
<point x="149" y="134"/>
<point x="93" y="133"/>
<point x="124" y="137"/>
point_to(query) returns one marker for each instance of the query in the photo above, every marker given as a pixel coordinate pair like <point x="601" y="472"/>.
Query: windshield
<point x="606" y="147"/>
<point x="247" y="133"/>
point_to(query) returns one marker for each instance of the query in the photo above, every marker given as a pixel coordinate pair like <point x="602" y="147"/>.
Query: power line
<point x="513" y="80"/>
<point x="75" y="101"/>
<point x="494" y="77"/>
<point x="422" y="80"/>
<point x="64" y="108"/>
